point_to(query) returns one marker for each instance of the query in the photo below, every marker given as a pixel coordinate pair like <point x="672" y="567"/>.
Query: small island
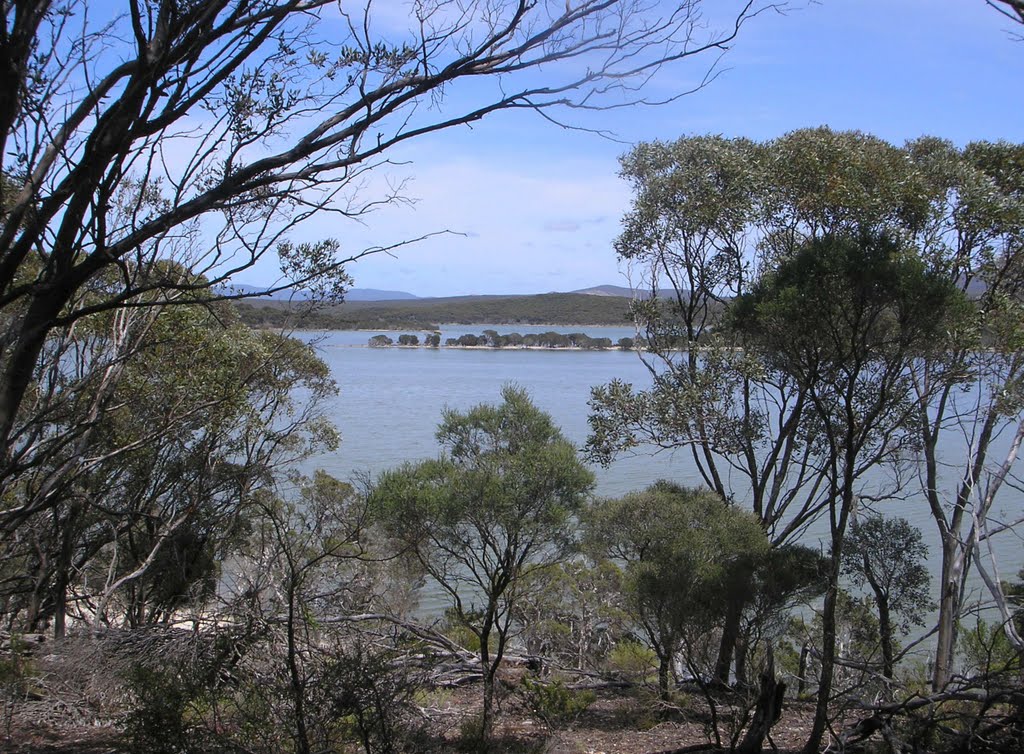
<point x="514" y="340"/>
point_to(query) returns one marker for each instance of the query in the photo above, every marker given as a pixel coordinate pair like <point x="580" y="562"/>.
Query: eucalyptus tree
<point x="787" y="578"/>
<point x="297" y="582"/>
<point x="848" y="317"/>
<point x="495" y="509"/>
<point x="244" y="406"/>
<point x="745" y="422"/>
<point x="134" y="517"/>
<point x="825" y="182"/>
<point x="575" y="614"/>
<point x="683" y="552"/>
<point x="887" y="555"/>
<point x="281" y="658"/>
<point x="710" y="216"/>
<point x="972" y="232"/>
<point x="696" y="203"/>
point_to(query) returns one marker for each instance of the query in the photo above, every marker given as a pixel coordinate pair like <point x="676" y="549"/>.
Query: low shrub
<point x="554" y="704"/>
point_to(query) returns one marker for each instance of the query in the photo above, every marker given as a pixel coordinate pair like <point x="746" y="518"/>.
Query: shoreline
<point x="442" y="347"/>
<point x="441" y="326"/>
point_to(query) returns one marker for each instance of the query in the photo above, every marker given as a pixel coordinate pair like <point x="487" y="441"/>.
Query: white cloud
<point x="561" y="226"/>
<point x="500" y="216"/>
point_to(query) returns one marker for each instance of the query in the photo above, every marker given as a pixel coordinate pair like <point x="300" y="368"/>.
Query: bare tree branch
<point x="208" y="133"/>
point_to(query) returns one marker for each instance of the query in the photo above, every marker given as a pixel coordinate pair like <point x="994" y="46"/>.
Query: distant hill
<point x="607" y="290"/>
<point x="427" y="313"/>
<point x="353" y="294"/>
<point x="373" y="309"/>
<point x="241" y="289"/>
<point x="621" y="291"/>
<point x="374" y="294"/>
<point x="377" y="294"/>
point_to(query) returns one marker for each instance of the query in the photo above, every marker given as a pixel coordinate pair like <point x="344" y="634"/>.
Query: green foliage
<point x="838" y="363"/>
<point x="633" y="660"/>
<point x="280" y="315"/>
<point x="495" y="507"/>
<point x="682" y="551"/>
<point x="788" y="575"/>
<point x="837" y="181"/>
<point x="704" y="402"/>
<point x="572" y="613"/>
<point x="455" y="628"/>
<point x="16" y="673"/>
<point x="888" y="556"/>
<point x="367" y="687"/>
<point x="987" y="652"/>
<point x="787" y="653"/>
<point x="167" y="716"/>
<point x="241" y="385"/>
<point x="711" y="217"/>
<point x="473" y="737"/>
<point x="507" y="476"/>
<point x="858" y="628"/>
<point x="844" y="300"/>
<point x="546" y="308"/>
<point x="550" y="339"/>
<point x="1014" y="592"/>
<point x="350" y="693"/>
<point x="857" y="639"/>
<point x="553" y="703"/>
<point x="184" y="414"/>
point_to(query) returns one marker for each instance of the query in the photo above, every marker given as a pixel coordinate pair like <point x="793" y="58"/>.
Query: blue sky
<point x="535" y="208"/>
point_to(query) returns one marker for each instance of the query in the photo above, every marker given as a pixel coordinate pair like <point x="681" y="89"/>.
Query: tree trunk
<point x="742" y="650"/>
<point x="839" y="519"/>
<point x="949" y="611"/>
<point x="885" y="632"/>
<point x="62" y="575"/>
<point x="767" y="712"/>
<point x="34" y="609"/>
<point x="828" y="656"/>
<point x="22" y="359"/>
<point x="489" y="673"/>
<point x="487" y="715"/>
<point x="730" y="635"/>
<point x="801" y="671"/>
<point x="297" y="684"/>
<point x="955" y="553"/>
<point x="60" y="605"/>
<point x="664" y="672"/>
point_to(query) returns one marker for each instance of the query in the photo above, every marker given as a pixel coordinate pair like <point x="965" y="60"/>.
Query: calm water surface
<point x="391" y="401"/>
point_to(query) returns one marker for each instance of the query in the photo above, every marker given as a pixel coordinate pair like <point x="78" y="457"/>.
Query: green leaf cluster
<point x="681" y="550"/>
<point x="497" y="506"/>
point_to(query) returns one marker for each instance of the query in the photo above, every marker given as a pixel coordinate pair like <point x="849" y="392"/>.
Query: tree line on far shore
<point x="492" y="339"/>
